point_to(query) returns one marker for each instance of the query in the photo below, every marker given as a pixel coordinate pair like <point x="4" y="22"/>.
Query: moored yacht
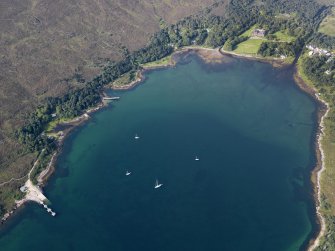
<point x="157" y="184"/>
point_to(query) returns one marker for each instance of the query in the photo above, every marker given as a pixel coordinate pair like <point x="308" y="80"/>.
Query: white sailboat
<point x="136" y="136"/>
<point x="157" y="184"/>
<point x="128" y="173"/>
<point x="196" y="158"/>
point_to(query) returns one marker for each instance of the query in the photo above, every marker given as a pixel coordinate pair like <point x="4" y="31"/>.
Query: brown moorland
<point x="48" y="47"/>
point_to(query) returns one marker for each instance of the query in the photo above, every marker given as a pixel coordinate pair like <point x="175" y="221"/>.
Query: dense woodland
<point x="324" y="41"/>
<point x="316" y="68"/>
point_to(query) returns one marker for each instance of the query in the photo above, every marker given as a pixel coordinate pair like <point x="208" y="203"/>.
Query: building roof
<point x="258" y="32"/>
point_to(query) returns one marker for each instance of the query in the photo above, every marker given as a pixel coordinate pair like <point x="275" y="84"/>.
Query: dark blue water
<point x="246" y="121"/>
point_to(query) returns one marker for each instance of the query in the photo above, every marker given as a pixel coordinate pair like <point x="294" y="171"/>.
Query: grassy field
<point x="283" y="37"/>
<point x="124" y="79"/>
<point x="328" y="24"/>
<point x="326" y="2"/>
<point x="251" y="46"/>
<point x="162" y="62"/>
<point x="53" y="123"/>
<point x="285" y="16"/>
<point x="248" y="32"/>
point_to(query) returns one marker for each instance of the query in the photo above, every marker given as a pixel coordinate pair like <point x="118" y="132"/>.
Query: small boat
<point x="157" y="185"/>
<point x="136" y="136"/>
<point x="128" y="173"/>
<point x="196" y="158"/>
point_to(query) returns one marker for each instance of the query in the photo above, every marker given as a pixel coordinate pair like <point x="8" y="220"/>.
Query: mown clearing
<point x="248" y="32"/>
<point x="163" y="62"/>
<point x="284" y="37"/>
<point x="251" y="46"/>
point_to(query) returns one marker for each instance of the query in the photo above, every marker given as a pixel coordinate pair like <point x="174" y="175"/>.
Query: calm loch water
<point x="252" y="131"/>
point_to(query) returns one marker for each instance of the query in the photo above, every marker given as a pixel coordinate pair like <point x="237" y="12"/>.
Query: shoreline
<point x="72" y="124"/>
<point x="318" y="172"/>
<point x="212" y="56"/>
<point x="275" y="62"/>
<point x="322" y="113"/>
<point x="48" y="171"/>
<point x="140" y="76"/>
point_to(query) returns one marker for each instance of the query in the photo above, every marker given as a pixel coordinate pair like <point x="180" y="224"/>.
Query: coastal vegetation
<point x="312" y="70"/>
<point x="162" y="62"/>
<point x="124" y="79"/>
<point x="289" y="26"/>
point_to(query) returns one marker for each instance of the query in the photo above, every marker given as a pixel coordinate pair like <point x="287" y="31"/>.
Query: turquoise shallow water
<point x="252" y="130"/>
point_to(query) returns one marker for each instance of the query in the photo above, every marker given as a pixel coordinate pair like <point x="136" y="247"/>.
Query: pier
<point x="111" y="98"/>
<point x="49" y="210"/>
<point x="34" y="193"/>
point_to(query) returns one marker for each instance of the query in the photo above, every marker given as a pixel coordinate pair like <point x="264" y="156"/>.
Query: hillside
<point x="44" y="43"/>
<point x="47" y="47"/>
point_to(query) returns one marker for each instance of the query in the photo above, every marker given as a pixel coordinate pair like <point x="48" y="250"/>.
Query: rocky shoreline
<point x="322" y="112"/>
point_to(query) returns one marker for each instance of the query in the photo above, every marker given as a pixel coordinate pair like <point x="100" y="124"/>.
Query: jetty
<point x="111" y="98"/>
<point x="34" y="193"/>
<point x="49" y="210"/>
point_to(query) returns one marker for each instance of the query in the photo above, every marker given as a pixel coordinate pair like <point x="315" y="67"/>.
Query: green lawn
<point x="161" y="62"/>
<point x="286" y="16"/>
<point x="283" y="37"/>
<point x="53" y="123"/>
<point x="125" y="79"/>
<point x="247" y="33"/>
<point x="251" y="46"/>
<point x="328" y="24"/>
